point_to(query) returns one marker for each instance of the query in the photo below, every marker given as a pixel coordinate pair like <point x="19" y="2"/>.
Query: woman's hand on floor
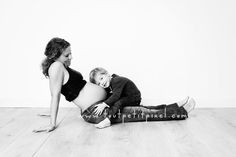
<point x="99" y="108"/>
<point x="44" y="115"/>
<point x="45" y="129"/>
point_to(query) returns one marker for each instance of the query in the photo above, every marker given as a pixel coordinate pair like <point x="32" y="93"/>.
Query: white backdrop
<point x="171" y="49"/>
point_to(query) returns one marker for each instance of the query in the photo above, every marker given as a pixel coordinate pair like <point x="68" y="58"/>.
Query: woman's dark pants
<point x="138" y="114"/>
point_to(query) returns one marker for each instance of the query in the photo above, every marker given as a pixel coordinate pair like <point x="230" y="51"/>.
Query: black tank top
<point x="73" y="86"/>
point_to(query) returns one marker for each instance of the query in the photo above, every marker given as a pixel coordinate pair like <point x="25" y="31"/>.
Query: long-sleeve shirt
<point x="121" y="87"/>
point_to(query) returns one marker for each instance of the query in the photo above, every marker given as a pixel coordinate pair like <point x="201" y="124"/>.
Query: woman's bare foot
<point x="103" y="124"/>
<point x="190" y="105"/>
<point x="183" y="102"/>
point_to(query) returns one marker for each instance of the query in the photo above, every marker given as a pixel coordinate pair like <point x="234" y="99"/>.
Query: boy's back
<point x="122" y="87"/>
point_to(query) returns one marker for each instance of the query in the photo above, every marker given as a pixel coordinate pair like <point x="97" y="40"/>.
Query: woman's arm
<point x="55" y="81"/>
<point x="56" y="76"/>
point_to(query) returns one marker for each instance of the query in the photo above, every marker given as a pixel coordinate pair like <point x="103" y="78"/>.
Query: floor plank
<point x="13" y="126"/>
<point x="23" y="142"/>
<point x="61" y="142"/>
<point x="9" y="114"/>
<point x="207" y="132"/>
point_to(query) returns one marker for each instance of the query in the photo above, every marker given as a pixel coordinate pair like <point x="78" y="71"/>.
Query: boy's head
<point x="100" y="76"/>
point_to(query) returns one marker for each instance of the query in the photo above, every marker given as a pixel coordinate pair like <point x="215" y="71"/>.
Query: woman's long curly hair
<point x="54" y="49"/>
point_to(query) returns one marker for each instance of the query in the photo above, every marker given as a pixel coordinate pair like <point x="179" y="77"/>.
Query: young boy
<point x="121" y="92"/>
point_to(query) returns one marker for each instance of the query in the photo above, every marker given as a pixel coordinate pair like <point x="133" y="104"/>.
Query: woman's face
<point x="66" y="57"/>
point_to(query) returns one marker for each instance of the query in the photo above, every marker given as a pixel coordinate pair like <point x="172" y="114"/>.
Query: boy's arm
<point x="99" y="108"/>
<point x="116" y="92"/>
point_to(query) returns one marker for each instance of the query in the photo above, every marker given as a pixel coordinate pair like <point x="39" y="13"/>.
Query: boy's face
<point x="103" y="80"/>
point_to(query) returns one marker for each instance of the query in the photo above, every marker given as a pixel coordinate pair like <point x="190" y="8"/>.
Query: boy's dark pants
<point x="138" y="114"/>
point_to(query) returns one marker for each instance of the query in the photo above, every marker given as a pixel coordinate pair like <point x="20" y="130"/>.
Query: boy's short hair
<point x="93" y="73"/>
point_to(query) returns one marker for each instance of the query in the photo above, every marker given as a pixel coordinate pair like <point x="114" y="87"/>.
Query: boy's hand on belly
<point x="99" y="108"/>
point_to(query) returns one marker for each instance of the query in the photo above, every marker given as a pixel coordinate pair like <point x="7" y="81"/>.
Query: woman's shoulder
<point x="56" y="68"/>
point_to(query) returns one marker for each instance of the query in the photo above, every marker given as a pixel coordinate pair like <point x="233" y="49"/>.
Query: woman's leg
<point x="145" y="113"/>
<point x="142" y="113"/>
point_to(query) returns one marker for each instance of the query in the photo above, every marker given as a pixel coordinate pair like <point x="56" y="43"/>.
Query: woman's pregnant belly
<point x="90" y="95"/>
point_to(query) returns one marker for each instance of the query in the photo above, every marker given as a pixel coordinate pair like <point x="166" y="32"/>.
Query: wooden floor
<point x="208" y="132"/>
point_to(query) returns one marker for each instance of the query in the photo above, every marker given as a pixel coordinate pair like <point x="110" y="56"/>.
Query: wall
<point x="171" y="49"/>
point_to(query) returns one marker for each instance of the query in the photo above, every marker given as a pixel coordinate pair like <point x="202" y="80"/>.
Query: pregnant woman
<point x="70" y="83"/>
